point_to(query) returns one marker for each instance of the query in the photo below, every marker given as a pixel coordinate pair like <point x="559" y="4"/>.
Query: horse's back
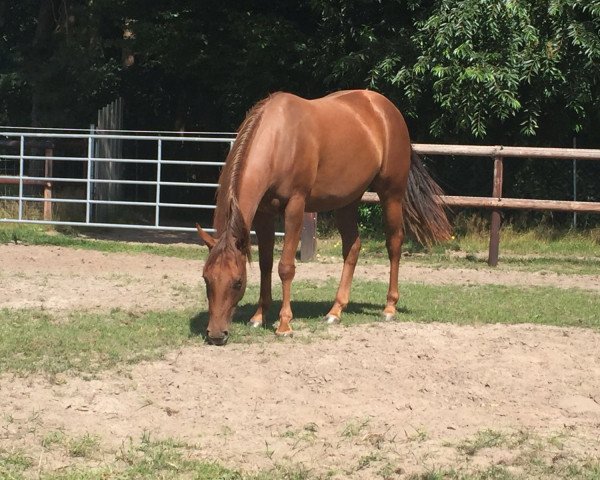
<point x="335" y="146"/>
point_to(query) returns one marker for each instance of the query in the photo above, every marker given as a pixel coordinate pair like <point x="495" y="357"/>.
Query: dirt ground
<point x="396" y="394"/>
<point x="64" y="278"/>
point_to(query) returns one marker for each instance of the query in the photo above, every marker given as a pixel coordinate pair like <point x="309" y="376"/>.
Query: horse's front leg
<point x="294" y="213"/>
<point x="264" y="225"/>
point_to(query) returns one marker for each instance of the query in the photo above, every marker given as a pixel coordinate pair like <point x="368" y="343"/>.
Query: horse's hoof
<point x="331" y="319"/>
<point x="254" y="323"/>
<point x="289" y="333"/>
<point x="388" y="317"/>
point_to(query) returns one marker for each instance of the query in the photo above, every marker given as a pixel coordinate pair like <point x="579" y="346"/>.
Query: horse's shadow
<point x="303" y="310"/>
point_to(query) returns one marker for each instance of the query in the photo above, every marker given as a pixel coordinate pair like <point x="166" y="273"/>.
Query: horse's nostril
<point x="217" y="339"/>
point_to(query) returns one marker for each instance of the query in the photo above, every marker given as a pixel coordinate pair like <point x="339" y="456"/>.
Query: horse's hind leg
<point x="347" y="224"/>
<point x="394" y="232"/>
<point x="264" y="225"/>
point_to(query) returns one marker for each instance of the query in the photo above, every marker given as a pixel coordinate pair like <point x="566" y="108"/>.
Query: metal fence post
<point x="21" y="173"/>
<point x="496" y="219"/>
<point x="574" y="184"/>
<point x="88" y="193"/>
<point x="158" y="174"/>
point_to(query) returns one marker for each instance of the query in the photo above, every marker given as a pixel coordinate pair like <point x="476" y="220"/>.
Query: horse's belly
<point x="336" y="191"/>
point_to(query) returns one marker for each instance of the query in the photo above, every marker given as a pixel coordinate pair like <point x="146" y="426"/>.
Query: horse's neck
<point x="250" y="192"/>
<point x="249" y="179"/>
<point x="252" y="188"/>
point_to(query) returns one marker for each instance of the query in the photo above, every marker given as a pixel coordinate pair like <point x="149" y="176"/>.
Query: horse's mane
<point x="228" y="221"/>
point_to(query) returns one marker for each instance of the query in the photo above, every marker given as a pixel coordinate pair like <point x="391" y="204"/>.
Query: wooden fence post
<point x="308" y="241"/>
<point x="49" y="153"/>
<point x="496" y="219"/>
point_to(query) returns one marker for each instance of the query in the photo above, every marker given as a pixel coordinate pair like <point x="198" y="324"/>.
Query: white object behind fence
<point x="110" y="118"/>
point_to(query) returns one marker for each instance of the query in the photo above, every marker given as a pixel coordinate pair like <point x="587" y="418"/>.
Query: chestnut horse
<point x="294" y="155"/>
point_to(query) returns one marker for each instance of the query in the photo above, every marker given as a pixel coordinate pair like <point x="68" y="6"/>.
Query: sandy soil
<point x="401" y="395"/>
<point x="63" y="278"/>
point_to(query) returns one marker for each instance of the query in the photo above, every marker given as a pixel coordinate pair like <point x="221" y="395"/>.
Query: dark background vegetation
<point x="514" y="72"/>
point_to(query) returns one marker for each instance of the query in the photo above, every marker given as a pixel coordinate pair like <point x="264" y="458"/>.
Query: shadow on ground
<point x="303" y="310"/>
<point x="161" y="237"/>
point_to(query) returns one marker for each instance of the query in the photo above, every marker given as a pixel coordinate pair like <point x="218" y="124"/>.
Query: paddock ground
<point x="370" y="401"/>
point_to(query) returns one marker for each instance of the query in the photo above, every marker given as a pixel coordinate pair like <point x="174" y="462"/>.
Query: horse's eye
<point x="237" y="285"/>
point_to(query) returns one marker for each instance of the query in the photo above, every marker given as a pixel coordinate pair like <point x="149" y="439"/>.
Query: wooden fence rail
<point x="496" y="202"/>
<point x="507" y="203"/>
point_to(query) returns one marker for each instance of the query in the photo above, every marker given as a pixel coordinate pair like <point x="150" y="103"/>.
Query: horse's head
<point x="225" y="277"/>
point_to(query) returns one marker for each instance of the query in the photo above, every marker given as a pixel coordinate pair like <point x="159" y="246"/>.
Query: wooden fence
<point x="496" y="202"/>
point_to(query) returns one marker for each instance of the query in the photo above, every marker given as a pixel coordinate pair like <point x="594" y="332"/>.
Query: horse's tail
<point x="424" y="213"/>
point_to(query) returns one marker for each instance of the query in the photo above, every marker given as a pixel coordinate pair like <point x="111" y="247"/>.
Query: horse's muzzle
<point x="218" y="340"/>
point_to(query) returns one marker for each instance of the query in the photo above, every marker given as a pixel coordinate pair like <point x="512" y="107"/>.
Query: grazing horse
<point x="294" y="155"/>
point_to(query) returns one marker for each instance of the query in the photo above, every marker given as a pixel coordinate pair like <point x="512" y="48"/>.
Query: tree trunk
<point x="2" y="13"/>
<point x="41" y="49"/>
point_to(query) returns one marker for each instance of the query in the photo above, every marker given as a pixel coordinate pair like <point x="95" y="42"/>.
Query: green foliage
<point x="509" y="72"/>
<point x="370" y="219"/>
<point x="506" y="70"/>
<point x="480" y="69"/>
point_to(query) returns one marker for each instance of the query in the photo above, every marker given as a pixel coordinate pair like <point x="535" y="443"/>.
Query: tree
<point x="16" y="25"/>
<point x="506" y="70"/>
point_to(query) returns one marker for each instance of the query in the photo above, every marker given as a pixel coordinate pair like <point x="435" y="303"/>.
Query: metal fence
<point x="28" y="176"/>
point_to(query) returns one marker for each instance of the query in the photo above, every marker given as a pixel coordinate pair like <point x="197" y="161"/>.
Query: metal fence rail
<point x="25" y="178"/>
<point x="24" y="140"/>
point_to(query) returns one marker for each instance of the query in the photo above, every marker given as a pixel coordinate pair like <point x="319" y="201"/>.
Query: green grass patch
<point x="41" y="235"/>
<point x="83" y="447"/>
<point x="483" y="439"/>
<point x="459" y="304"/>
<point x="35" y="340"/>
<point x="161" y="459"/>
<point x="540" y="241"/>
<point x="41" y="341"/>
<point x="539" y="249"/>
<point x="14" y="464"/>
<point x="524" y="456"/>
<point x="560" y="265"/>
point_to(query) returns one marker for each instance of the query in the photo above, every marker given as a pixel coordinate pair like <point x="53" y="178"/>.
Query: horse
<point x="293" y="155"/>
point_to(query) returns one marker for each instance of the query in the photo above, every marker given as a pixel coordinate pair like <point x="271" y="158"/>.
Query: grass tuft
<point x="83" y="447"/>
<point x="483" y="439"/>
<point x="13" y="464"/>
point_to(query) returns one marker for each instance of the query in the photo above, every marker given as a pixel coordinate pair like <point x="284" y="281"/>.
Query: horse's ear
<point x="206" y="237"/>
<point x="242" y="243"/>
